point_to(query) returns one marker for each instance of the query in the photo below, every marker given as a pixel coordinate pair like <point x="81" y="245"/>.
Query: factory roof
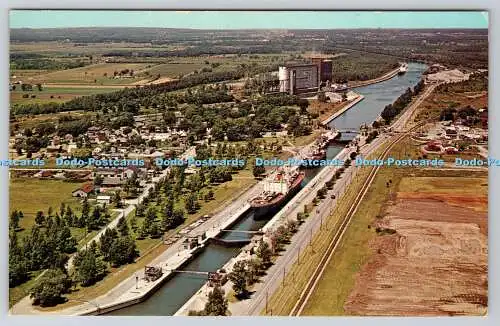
<point x="292" y="65"/>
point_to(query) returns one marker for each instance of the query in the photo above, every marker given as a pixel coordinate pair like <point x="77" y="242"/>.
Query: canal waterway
<point x="171" y="296"/>
<point x="377" y="96"/>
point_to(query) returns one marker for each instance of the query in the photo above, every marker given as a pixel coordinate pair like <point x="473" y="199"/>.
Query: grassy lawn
<point x="325" y="110"/>
<point x="32" y="195"/>
<point x="20" y="291"/>
<point x="477" y="186"/>
<point x="306" y="140"/>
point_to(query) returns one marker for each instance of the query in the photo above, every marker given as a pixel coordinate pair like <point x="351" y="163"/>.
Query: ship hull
<point x="266" y="211"/>
<point x="314" y="158"/>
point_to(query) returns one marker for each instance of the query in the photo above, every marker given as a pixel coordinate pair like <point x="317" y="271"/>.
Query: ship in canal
<point x="279" y="187"/>
<point x="403" y="69"/>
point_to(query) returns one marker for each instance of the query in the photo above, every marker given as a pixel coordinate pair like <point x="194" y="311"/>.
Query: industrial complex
<point x="305" y="77"/>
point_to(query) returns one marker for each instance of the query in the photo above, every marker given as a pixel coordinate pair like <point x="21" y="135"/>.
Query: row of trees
<point x="392" y="110"/>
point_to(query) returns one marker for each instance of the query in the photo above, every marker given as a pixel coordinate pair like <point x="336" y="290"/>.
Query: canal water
<point x="377" y="96"/>
<point x="172" y="296"/>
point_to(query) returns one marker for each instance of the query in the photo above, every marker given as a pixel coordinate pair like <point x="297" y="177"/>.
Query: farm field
<point x="57" y="48"/>
<point x="56" y="94"/>
<point x="31" y="122"/>
<point x="429" y="211"/>
<point x="172" y="69"/>
<point x="436" y="261"/>
<point x="90" y="75"/>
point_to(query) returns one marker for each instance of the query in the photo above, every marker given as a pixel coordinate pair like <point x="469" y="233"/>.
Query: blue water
<point x="377" y="96"/>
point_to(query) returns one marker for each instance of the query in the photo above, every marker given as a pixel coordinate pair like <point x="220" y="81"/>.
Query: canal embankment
<point x="342" y="110"/>
<point x="382" y="78"/>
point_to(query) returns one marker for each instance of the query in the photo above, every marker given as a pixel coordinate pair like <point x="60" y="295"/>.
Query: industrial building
<point x="303" y="78"/>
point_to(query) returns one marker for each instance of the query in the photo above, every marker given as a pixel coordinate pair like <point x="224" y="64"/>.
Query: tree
<point x="94" y="220"/>
<point x="139" y="210"/>
<point x="151" y="215"/>
<point x="239" y="277"/>
<point x="253" y="269"/>
<point x="62" y="209"/>
<point x="217" y="303"/>
<point x="117" y="200"/>
<point x="50" y="287"/>
<point x="14" y="220"/>
<point x="155" y="231"/>
<point x="264" y="253"/>
<point x="123" y="251"/>
<point x="18" y="270"/>
<point x="18" y="267"/>
<point x="28" y="132"/>
<point x="143" y="231"/>
<point x="106" y="241"/>
<point x="90" y="268"/>
<point x="39" y="218"/>
<point x="85" y="208"/>
<point x="65" y="241"/>
<point x="303" y="104"/>
<point x="133" y="223"/>
<point x="191" y="203"/>
<point x="122" y="226"/>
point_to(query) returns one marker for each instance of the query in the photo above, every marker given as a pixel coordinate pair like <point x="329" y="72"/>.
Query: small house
<point x="84" y="191"/>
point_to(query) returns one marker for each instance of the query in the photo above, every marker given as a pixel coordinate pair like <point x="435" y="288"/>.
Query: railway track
<point x="318" y="272"/>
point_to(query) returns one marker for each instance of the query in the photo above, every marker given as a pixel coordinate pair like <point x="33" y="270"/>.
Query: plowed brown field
<point x="435" y="264"/>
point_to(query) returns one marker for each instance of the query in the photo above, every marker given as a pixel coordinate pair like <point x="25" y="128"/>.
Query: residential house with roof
<point x="84" y="191"/>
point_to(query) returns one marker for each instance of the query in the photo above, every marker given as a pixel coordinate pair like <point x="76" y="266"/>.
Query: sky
<point x="248" y="20"/>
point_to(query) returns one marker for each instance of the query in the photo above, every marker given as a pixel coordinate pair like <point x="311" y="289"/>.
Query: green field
<point x="172" y="70"/>
<point x="32" y="195"/>
<point x="88" y="75"/>
<point x="55" y="94"/>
